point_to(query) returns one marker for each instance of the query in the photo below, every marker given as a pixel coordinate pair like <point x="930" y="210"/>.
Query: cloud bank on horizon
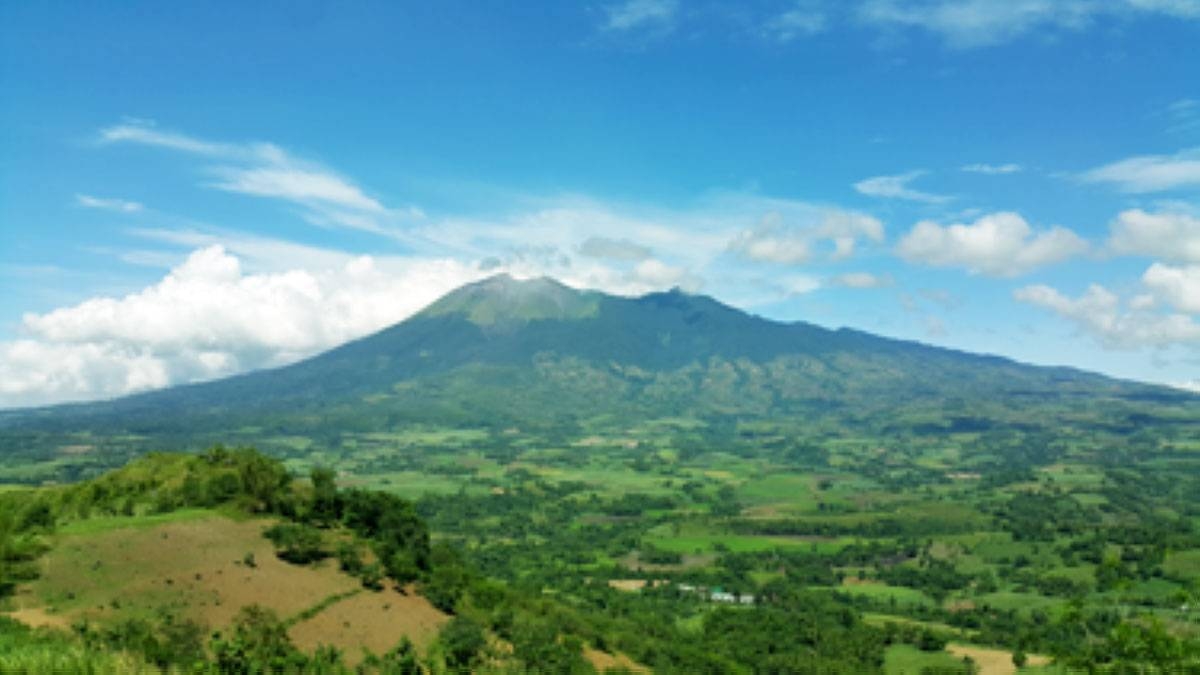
<point x="807" y="161"/>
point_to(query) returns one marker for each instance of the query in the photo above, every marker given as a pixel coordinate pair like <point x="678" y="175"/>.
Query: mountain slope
<point x="535" y="353"/>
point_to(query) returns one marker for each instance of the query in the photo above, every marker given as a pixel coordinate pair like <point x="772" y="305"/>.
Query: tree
<point x="262" y="478"/>
<point x="462" y="641"/>
<point x="297" y="544"/>
<point x="259" y="644"/>
<point x="325" y="507"/>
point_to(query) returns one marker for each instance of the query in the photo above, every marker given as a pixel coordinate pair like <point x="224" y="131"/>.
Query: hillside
<point x="223" y="563"/>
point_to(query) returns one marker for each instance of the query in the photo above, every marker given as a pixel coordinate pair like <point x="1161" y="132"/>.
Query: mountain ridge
<point x="503" y="351"/>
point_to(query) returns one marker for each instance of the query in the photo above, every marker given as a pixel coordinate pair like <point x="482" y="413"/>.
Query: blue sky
<point x="192" y="191"/>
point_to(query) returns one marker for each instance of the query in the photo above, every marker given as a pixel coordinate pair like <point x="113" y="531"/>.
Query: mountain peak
<point x="502" y="298"/>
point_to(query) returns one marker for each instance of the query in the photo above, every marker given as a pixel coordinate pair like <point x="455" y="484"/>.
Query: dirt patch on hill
<point x="194" y="568"/>
<point x="602" y="661"/>
<point x="198" y="569"/>
<point x="376" y="621"/>
<point x="992" y="661"/>
<point x="631" y="585"/>
<point x="37" y="617"/>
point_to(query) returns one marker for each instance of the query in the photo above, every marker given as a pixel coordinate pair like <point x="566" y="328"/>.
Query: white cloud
<point x="208" y="318"/>
<point x="1168" y="235"/>
<point x="1150" y="173"/>
<point x="657" y="274"/>
<point x="613" y="249"/>
<point x="1191" y="385"/>
<point x="1100" y="313"/>
<point x="297" y="185"/>
<point x="862" y="280"/>
<point x="789" y="236"/>
<point x="266" y="170"/>
<point x="1183" y="116"/>
<point x="1179" y="286"/>
<point x="804" y="19"/>
<point x="144" y="134"/>
<point x="232" y="301"/>
<point x="992" y="169"/>
<point x="969" y="24"/>
<point x="998" y="244"/>
<point x="896" y="187"/>
<point x="633" y="14"/>
<point x="119" y="205"/>
<point x="800" y="284"/>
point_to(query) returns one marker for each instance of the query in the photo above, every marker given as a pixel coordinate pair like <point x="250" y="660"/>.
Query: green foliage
<point x="258" y="643"/>
<point x="462" y="641"/>
<point x="296" y="543"/>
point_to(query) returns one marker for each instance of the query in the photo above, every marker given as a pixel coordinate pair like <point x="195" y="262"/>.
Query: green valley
<point x="579" y="481"/>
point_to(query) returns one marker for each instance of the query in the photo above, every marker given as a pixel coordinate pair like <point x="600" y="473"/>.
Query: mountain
<point x="537" y="354"/>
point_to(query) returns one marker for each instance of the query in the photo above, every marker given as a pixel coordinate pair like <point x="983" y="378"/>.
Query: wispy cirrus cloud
<point x="1150" y="173"/>
<point x="108" y="204"/>
<point x="897" y="187"/>
<point x="803" y="19"/>
<point x="992" y="169"/>
<point x="267" y="170"/>
<point x="969" y="24"/>
<point x="862" y="280"/>
<point x="638" y="14"/>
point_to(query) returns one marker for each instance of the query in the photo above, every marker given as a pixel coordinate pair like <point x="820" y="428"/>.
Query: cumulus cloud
<point x="634" y="14"/>
<point x="1180" y="286"/>
<point x="233" y="301"/>
<point x="208" y="318"/>
<point x="998" y="244"/>
<point x="1167" y="235"/>
<point x="266" y="170"/>
<point x="789" y="237"/>
<point x="109" y="204"/>
<point x="896" y="187"/>
<point x="1150" y="173"/>
<point x="967" y="24"/>
<point x="992" y="169"/>
<point x="1116" y="325"/>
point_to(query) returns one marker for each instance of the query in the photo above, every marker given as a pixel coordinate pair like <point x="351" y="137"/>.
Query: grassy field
<point x="908" y="660"/>
<point x="203" y="565"/>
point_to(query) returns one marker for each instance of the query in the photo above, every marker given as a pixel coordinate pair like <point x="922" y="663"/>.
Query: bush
<point x="297" y="544"/>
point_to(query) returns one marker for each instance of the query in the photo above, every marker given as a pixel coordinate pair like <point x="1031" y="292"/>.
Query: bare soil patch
<point x="372" y="620"/>
<point x="194" y="568"/>
<point x="603" y="660"/>
<point x="992" y="661"/>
